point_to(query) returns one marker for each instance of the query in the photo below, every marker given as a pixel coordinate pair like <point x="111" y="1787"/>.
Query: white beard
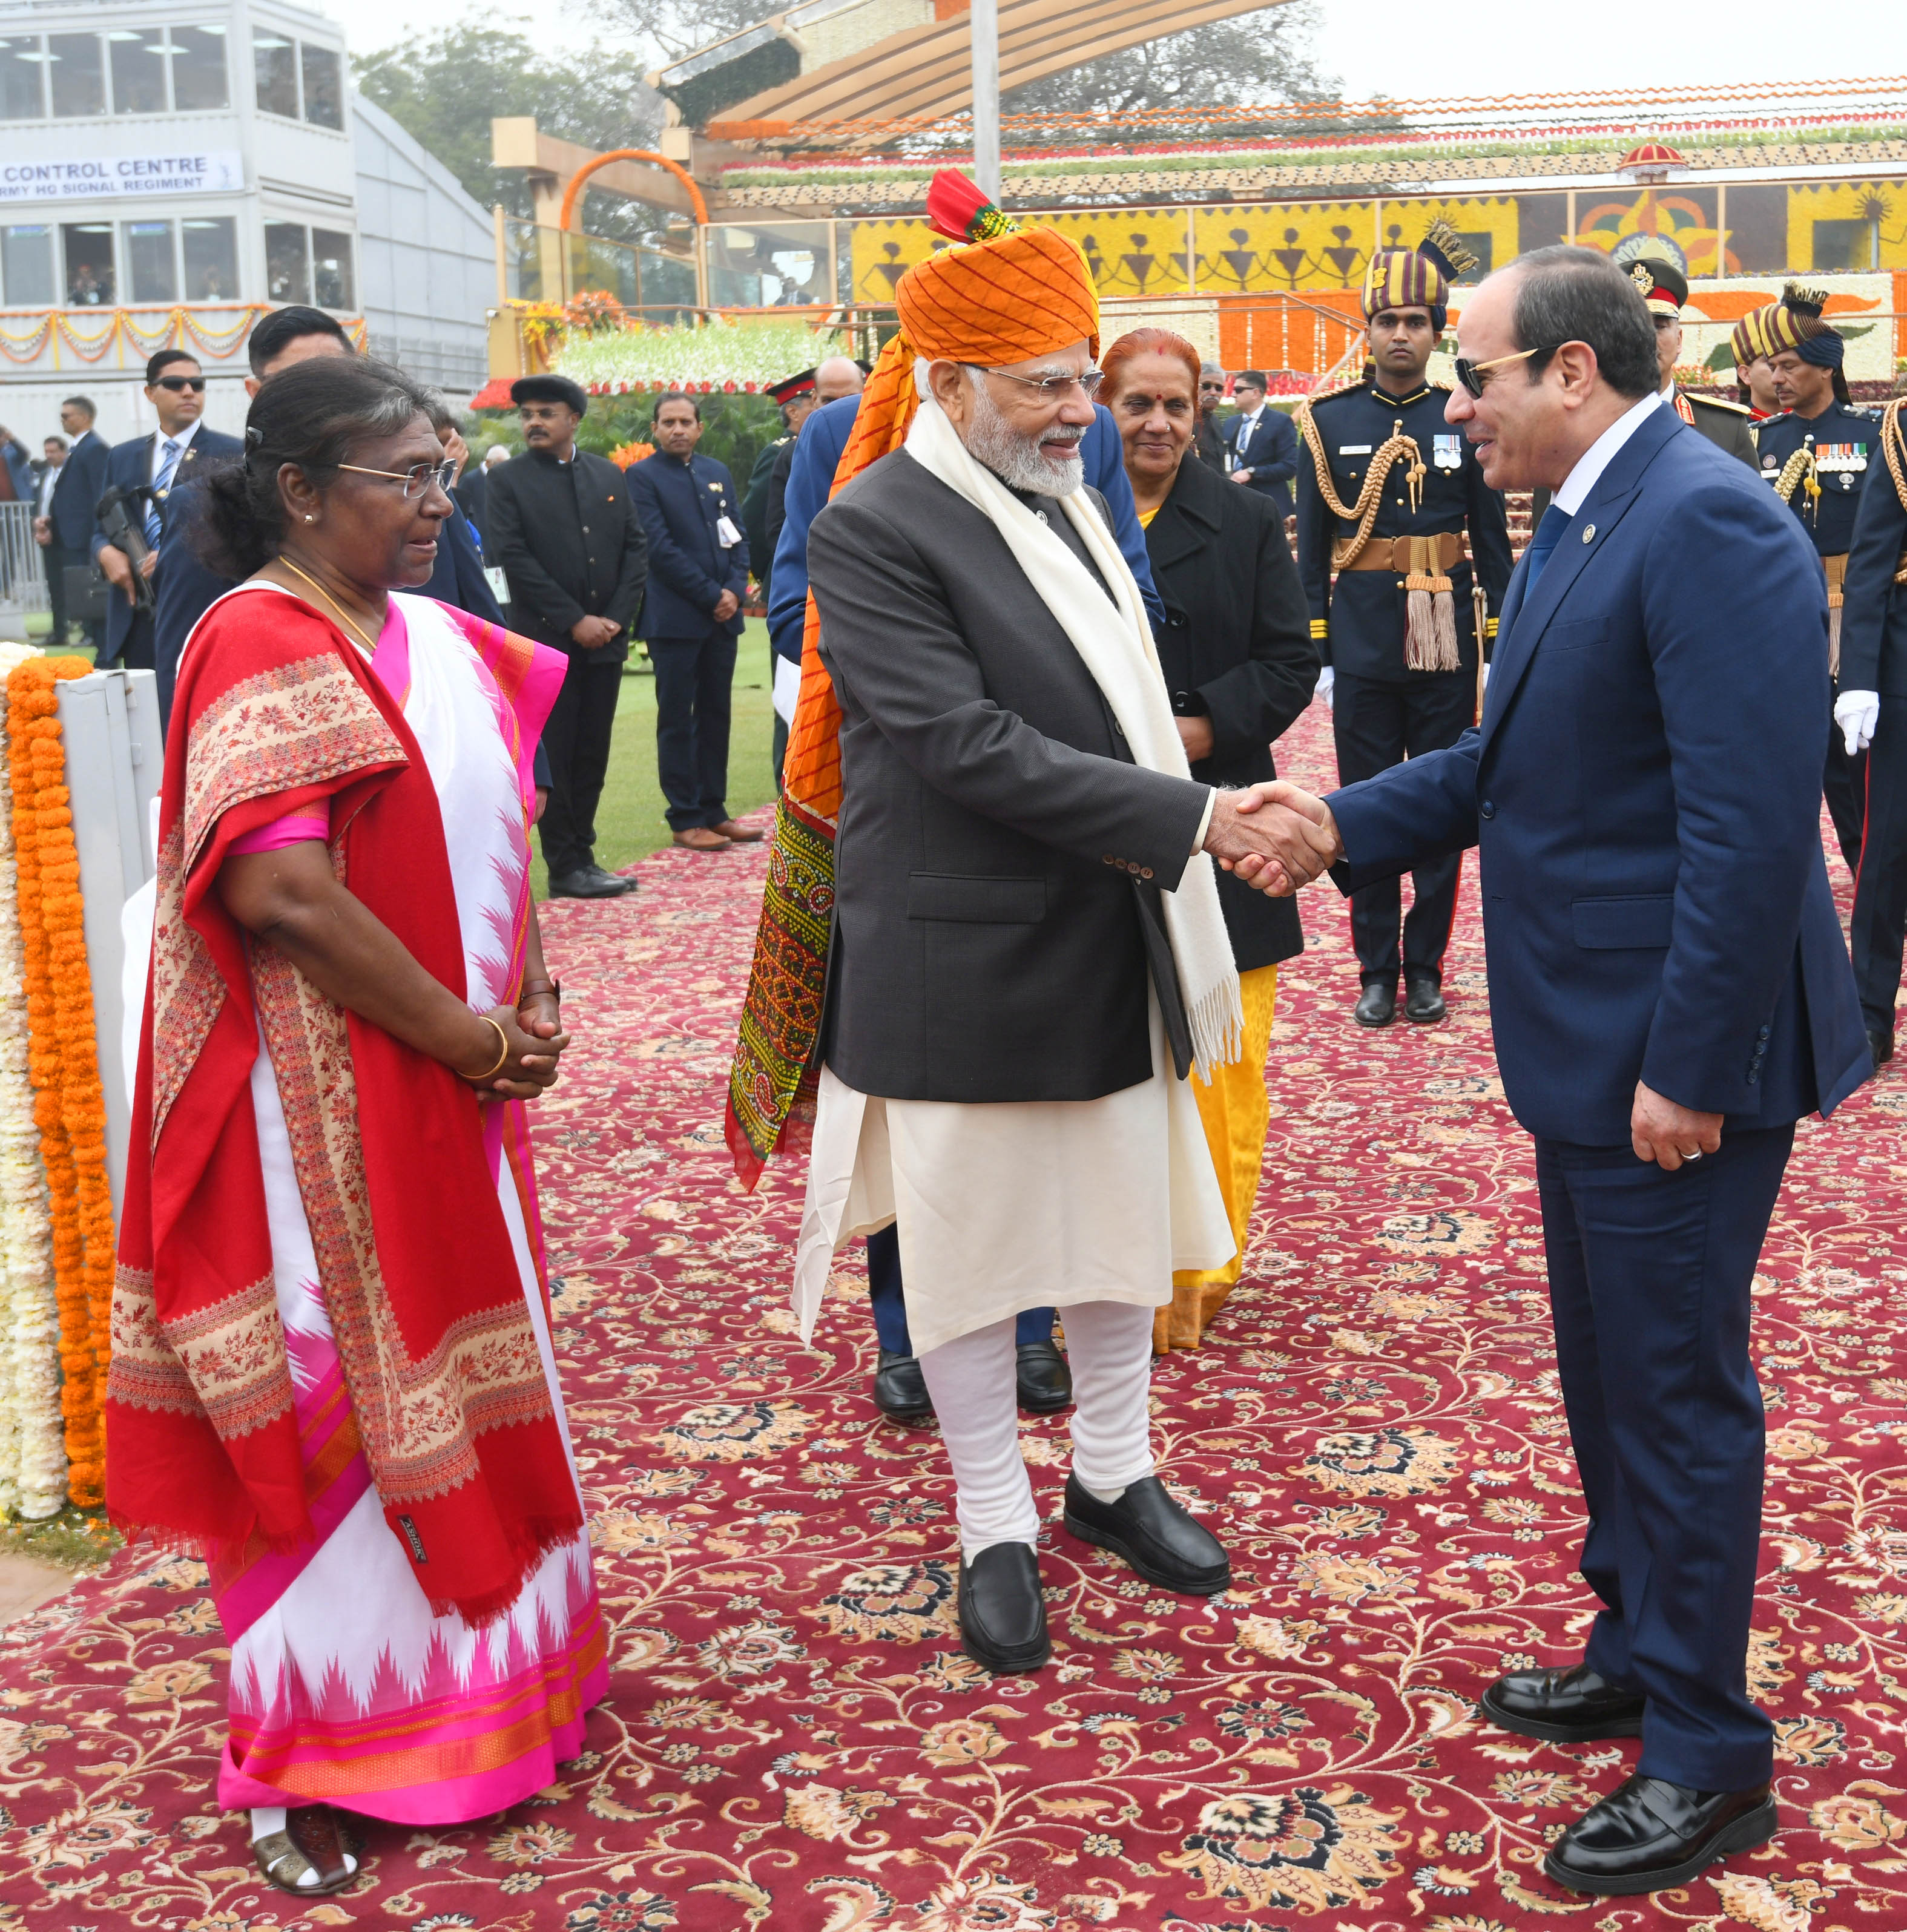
<point x="1016" y="459"/>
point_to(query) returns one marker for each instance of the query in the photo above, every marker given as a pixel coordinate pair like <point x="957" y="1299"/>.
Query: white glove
<point x="1326" y="678"/>
<point x="1856" y="712"/>
<point x="1483" y="681"/>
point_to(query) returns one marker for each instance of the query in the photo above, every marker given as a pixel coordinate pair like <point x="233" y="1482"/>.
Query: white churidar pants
<point x="972" y="1380"/>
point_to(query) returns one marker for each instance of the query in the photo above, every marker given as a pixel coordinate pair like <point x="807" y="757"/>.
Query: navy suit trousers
<point x="1650" y="1275"/>
<point x="693" y="678"/>
<point x="889" y="1305"/>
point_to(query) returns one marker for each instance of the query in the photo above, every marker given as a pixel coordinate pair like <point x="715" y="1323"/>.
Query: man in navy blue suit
<point x="157" y="464"/>
<point x="69" y="520"/>
<point x="187" y="588"/>
<point x="1669" y="992"/>
<point x="900" y="1390"/>
<point x="691" y="514"/>
<point x="1263" y="442"/>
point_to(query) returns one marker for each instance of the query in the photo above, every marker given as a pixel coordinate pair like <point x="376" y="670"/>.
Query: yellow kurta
<point x="1235" y="1111"/>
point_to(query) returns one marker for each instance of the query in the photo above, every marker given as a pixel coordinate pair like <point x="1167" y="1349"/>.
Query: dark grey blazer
<point x="999" y="856"/>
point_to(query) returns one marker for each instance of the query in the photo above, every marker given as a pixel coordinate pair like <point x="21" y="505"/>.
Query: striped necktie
<point x="168" y="462"/>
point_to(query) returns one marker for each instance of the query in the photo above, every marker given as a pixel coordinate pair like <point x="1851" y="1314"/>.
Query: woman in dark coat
<point x="1236" y="651"/>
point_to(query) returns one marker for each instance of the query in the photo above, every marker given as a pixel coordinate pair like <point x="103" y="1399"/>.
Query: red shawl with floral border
<point x="275" y="709"/>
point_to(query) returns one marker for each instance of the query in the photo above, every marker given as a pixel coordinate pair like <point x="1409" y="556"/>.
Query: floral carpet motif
<point x="792" y="1737"/>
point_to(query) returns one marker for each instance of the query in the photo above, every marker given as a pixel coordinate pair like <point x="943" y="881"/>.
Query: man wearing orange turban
<point x="1026" y="957"/>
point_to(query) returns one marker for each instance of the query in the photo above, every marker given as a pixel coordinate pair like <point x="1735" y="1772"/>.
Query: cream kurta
<point x="1006" y="1205"/>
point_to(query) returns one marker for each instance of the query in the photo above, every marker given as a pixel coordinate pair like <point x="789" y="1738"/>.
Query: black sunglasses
<point x="1470" y="374"/>
<point x="175" y="383"/>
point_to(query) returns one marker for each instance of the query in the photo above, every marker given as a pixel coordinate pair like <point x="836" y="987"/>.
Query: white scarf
<point x="1116" y="646"/>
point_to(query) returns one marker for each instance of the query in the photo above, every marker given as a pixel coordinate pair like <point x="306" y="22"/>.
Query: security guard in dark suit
<point x="1817" y="454"/>
<point x="564" y="528"/>
<point x="1872" y="710"/>
<point x="1403" y="621"/>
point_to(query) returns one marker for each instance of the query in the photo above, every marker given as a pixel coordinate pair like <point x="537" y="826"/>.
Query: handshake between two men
<point x="1273" y="837"/>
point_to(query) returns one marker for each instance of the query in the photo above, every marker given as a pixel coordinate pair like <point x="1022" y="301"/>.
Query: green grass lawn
<point x="629" y="823"/>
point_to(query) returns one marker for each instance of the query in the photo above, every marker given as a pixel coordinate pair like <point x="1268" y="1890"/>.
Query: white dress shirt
<point x="1247" y="426"/>
<point x="1574" y="491"/>
<point x="183" y="439"/>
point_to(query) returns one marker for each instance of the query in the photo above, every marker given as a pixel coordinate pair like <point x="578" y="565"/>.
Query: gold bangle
<point x="502" y="1040"/>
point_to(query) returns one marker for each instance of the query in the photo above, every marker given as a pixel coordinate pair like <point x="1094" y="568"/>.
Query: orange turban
<point x="1001" y="294"/>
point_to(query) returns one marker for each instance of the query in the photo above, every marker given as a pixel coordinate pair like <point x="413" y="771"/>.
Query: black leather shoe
<point x="590" y="884"/>
<point x="900" y="1390"/>
<point x="1003" y="1618"/>
<point x="1880" y="1044"/>
<point x="1567" y="1707"/>
<point x="1042" y="1381"/>
<point x="1158" y="1537"/>
<point x="1377" y="1005"/>
<point x="1648" y="1835"/>
<point x="1423" y="999"/>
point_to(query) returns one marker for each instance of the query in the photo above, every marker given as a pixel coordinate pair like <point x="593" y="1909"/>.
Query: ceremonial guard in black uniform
<point x="1386" y="489"/>
<point x="1872" y="708"/>
<point x="1665" y="289"/>
<point x="796" y="395"/>
<point x="1817" y="454"/>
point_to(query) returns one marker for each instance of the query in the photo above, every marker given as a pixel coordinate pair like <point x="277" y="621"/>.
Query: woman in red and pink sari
<point x="332" y="1369"/>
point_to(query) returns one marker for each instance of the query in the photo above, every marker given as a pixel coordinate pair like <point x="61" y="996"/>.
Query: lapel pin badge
<point x="1588" y="533"/>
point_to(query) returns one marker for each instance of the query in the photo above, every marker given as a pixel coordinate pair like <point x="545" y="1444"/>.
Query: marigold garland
<point x="69" y="1109"/>
<point x="33" y="1468"/>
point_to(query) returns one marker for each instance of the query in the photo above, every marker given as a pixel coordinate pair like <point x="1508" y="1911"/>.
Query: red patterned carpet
<point x="792" y="1738"/>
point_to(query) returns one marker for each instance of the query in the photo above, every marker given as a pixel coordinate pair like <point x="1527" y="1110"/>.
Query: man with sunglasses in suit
<point x="156" y="465"/>
<point x="1669" y="995"/>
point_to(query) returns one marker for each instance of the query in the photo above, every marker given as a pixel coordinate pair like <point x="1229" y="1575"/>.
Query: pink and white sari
<point x="345" y="1688"/>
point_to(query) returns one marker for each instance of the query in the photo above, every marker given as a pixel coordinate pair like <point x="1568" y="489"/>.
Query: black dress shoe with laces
<point x="1377" y="1005"/>
<point x="1567" y="1707"/>
<point x="1003" y="1618"/>
<point x="1423" y="999"/>
<point x="1648" y="1835"/>
<point x="900" y="1390"/>
<point x="1157" y="1536"/>
<point x="1880" y="1044"/>
<point x="1043" y="1382"/>
<point x="590" y="882"/>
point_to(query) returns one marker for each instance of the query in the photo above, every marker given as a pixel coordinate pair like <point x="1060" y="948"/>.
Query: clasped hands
<point x="1274" y="838"/>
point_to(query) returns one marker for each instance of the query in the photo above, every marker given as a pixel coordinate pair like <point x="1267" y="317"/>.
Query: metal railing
<point x="23" y="570"/>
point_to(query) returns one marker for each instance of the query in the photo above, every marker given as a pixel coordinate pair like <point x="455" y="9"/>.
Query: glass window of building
<point x="87" y="246"/>
<point x="79" y="74"/>
<point x="139" y="70"/>
<point x="275" y="59"/>
<point x="198" y="68"/>
<point x="324" y="85"/>
<point x="287" y="263"/>
<point x="210" y="248"/>
<point x="26" y="265"/>
<point x="151" y="264"/>
<point x="22" y="62"/>
<point x="332" y="281"/>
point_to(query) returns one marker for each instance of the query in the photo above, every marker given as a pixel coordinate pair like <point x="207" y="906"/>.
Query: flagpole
<point x="985" y="15"/>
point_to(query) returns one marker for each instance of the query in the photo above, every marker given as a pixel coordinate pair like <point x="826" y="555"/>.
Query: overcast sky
<point x="1478" y="47"/>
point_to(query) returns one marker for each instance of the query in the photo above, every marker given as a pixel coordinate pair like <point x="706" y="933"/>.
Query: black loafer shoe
<point x="1003" y="1618"/>
<point x="590" y="884"/>
<point x="900" y="1390"/>
<point x="1880" y="1044"/>
<point x="1044" y="1382"/>
<point x="1648" y="1835"/>
<point x="1377" y="1005"/>
<point x="1423" y="999"/>
<point x="1158" y="1537"/>
<point x="1567" y="1707"/>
